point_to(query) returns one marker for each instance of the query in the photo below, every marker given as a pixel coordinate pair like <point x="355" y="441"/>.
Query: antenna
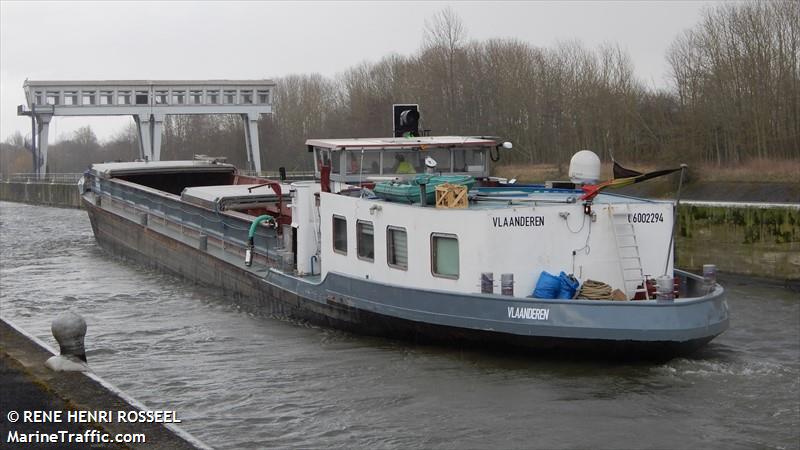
<point x="361" y="174"/>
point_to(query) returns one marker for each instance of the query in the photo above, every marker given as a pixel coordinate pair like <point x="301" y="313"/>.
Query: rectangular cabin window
<point x="162" y="97"/>
<point x="469" y="160"/>
<point x="336" y="162"/>
<point x="371" y="163"/>
<point x="88" y="98"/>
<point x="246" y="97"/>
<point x="323" y="158"/>
<point x="403" y="162"/>
<point x="212" y="97"/>
<point x="340" y="235"/>
<point x="317" y="161"/>
<point x="106" y="97"/>
<point x="444" y="255"/>
<point x="196" y="97"/>
<point x="70" y="98"/>
<point x="142" y="98"/>
<point x="263" y="97"/>
<point x="397" y="247"/>
<point x="365" y="240"/>
<point x="178" y="97"/>
<point x="442" y="158"/>
<point x="123" y="97"/>
<point x="38" y="98"/>
<point x="52" y="98"/>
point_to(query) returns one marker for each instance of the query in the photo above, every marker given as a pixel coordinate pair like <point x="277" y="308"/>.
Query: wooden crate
<point x="451" y="196"/>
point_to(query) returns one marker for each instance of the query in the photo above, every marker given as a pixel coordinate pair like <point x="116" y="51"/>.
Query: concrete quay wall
<point x="34" y="387"/>
<point x="761" y="240"/>
<point x="49" y="194"/>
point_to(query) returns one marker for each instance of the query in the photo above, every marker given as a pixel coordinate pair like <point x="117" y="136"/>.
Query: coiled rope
<point x="595" y="290"/>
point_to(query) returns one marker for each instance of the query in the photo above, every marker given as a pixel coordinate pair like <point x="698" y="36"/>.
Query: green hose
<point x="254" y="225"/>
<point x="251" y="235"/>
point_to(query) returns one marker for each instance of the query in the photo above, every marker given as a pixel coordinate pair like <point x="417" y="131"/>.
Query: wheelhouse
<point x="360" y="161"/>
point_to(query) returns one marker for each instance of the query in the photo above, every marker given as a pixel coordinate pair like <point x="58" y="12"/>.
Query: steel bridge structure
<point x="148" y="102"/>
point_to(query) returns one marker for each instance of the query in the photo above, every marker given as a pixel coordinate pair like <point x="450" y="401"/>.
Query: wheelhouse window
<point x="444" y="255"/>
<point x="323" y="157"/>
<point x="442" y="158"/>
<point x="340" y="235"/>
<point x="402" y="162"/>
<point x="469" y="160"/>
<point x="367" y="164"/>
<point x="365" y="243"/>
<point x="397" y="247"/>
<point x="336" y="158"/>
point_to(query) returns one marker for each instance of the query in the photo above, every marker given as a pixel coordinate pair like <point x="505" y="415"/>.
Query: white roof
<point x="401" y="142"/>
<point x="233" y="196"/>
<point x="141" y="167"/>
<point x="57" y="83"/>
<point x="216" y="193"/>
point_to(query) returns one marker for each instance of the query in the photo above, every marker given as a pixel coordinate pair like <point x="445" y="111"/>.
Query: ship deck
<point x="491" y="198"/>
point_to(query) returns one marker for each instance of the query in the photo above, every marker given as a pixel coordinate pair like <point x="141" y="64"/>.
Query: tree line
<point x="734" y="96"/>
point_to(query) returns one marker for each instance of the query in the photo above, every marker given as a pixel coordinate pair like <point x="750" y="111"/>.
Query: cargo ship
<point x="475" y="265"/>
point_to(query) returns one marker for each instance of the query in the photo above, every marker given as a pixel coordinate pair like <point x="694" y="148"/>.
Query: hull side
<point x="274" y="294"/>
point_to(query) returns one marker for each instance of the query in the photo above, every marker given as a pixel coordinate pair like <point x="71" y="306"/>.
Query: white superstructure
<point x="617" y="240"/>
<point x="448" y="249"/>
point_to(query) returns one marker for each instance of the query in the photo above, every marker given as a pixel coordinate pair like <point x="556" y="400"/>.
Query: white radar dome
<point x="584" y="167"/>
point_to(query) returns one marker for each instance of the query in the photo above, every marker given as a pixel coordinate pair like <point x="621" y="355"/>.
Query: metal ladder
<point x="630" y="262"/>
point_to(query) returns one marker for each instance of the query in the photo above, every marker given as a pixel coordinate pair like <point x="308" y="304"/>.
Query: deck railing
<point x="50" y="178"/>
<point x="72" y="178"/>
<point x="275" y="174"/>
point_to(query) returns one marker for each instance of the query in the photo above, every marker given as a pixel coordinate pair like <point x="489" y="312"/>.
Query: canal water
<point x="241" y="381"/>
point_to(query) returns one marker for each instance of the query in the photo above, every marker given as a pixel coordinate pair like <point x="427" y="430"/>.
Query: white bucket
<point x="507" y="284"/>
<point x="665" y="288"/>
<point x="710" y="274"/>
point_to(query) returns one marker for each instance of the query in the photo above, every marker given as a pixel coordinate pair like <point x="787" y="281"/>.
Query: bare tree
<point x="443" y="43"/>
<point x="444" y="30"/>
<point x="737" y="78"/>
<point x="17" y="140"/>
<point x="735" y="95"/>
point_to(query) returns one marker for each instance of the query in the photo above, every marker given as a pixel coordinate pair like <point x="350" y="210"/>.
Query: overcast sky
<point x="254" y="40"/>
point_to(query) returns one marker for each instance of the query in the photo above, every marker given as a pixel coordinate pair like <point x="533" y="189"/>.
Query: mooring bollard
<point x="69" y="329"/>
